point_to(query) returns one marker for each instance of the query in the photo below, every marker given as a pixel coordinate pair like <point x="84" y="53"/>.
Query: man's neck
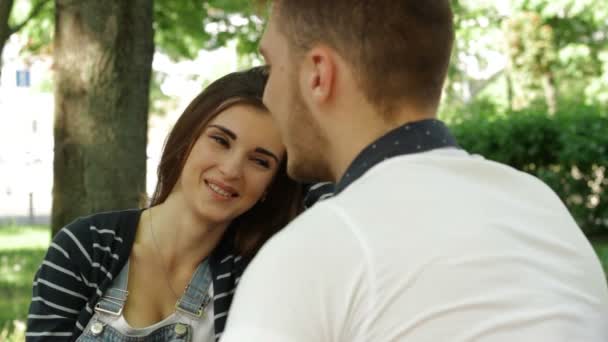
<point x="354" y="136"/>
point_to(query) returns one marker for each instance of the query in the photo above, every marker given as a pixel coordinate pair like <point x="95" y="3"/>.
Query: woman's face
<point x="232" y="163"/>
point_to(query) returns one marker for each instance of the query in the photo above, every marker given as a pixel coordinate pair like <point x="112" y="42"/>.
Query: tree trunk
<point x="510" y="93"/>
<point x="103" y="61"/>
<point x="550" y="92"/>
<point x="6" y="7"/>
<point x="1" y="61"/>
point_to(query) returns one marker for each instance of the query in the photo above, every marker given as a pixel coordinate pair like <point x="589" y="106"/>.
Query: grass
<point x="22" y="250"/>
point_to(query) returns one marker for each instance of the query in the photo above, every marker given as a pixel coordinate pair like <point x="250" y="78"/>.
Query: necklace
<point x="160" y="256"/>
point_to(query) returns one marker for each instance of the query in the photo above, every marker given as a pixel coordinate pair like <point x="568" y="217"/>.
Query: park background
<point x="89" y="89"/>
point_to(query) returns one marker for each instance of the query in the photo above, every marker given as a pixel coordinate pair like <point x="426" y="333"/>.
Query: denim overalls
<point x="190" y="308"/>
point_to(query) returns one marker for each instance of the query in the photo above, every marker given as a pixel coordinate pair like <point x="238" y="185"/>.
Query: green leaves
<point x="34" y="19"/>
<point x="568" y="151"/>
<point x="555" y="51"/>
<point x="185" y="27"/>
<point x="182" y="28"/>
<point x="178" y="28"/>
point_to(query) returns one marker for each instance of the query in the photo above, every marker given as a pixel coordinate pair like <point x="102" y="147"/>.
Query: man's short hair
<point x="399" y="49"/>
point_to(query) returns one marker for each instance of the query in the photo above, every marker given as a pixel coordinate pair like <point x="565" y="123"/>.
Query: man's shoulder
<point x="319" y="241"/>
<point x="441" y="167"/>
<point x="318" y="192"/>
<point x="316" y="220"/>
<point x="322" y="228"/>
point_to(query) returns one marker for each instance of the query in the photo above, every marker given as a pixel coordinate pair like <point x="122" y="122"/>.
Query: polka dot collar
<point x="414" y="137"/>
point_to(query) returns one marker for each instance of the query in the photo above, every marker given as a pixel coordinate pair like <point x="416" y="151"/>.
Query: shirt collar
<point x="413" y="137"/>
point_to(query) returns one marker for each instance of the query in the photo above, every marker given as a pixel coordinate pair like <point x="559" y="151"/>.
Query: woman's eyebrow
<point x="225" y="130"/>
<point x="268" y="153"/>
<point x="232" y="135"/>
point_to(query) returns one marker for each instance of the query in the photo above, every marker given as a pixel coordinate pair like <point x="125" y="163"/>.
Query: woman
<point x="168" y="272"/>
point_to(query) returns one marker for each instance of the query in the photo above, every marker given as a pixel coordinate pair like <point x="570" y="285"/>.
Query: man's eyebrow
<point x="225" y="130"/>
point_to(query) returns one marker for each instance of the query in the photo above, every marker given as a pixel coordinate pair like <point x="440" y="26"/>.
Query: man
<point x="421" y="241"/>
<point x="317" y="192"/>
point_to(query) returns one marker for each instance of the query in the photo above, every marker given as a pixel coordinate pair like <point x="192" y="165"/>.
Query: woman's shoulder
<point x="108" y="221"/>
<point x="109" y="228"/>
<point x="114" y="220"/>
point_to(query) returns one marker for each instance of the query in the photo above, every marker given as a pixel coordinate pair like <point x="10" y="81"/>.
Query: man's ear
<point x="318" y="75"/>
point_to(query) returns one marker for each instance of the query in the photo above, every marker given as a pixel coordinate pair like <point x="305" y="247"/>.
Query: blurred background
<point x="89" y="90"/>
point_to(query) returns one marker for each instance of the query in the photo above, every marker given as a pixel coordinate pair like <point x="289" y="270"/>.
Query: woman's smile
<point x="221" y="191"/>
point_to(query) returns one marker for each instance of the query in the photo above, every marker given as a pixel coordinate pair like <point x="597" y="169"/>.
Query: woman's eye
<point x="262" y="162"/>
<point x="220" y="141"/>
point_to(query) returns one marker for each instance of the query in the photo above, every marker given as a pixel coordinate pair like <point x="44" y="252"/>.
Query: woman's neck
<point x="182" y="237"/>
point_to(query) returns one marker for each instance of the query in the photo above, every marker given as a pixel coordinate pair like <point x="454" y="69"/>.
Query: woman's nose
<point x="232" y="166"/>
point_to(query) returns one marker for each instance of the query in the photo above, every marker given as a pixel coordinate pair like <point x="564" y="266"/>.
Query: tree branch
<point x="33" y="13"/>
<point x="478" y="85"/>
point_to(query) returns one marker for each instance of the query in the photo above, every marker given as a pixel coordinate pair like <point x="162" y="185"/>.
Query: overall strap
<point x="196" y="297"/>
<point x="113" y="300"/>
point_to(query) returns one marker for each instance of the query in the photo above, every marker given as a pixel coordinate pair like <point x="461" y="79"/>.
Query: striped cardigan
<point x="81" y="262"/>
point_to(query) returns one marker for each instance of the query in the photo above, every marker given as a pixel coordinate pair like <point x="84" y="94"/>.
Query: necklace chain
<point x="160" y="256"/>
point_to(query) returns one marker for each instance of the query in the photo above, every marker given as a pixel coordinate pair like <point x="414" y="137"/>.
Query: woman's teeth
<point x="219" y="190"/>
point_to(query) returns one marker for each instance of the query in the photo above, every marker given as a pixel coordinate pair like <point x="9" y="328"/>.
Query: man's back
<point x="437" y="246"/>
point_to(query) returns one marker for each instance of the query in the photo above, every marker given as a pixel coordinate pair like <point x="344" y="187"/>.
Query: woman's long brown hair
<point x="284" y="196"/>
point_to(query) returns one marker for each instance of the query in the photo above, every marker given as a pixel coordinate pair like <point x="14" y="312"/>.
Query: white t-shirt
<point x="437" y="246"/>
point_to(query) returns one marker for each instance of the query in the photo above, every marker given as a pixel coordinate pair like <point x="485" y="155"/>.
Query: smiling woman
<point x="222" y="192"/>
<point x="233" y="164"/>
<point x="229" y="108"/>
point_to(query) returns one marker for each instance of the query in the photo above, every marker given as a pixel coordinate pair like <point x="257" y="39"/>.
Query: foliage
<point x="35" y="20"/>
<point x="531" y="52"/>
<point x="556" y="48"/>
<point x="183" y="28"/>
<point x="601" y="249"/>
<point x="21" y="252"/>
<point x="477" y="42"/>
<point x="568" y="151"/>
<point x="178" y="28"/>
<point x="234" y="19"/>
<point x="159" y="102"/>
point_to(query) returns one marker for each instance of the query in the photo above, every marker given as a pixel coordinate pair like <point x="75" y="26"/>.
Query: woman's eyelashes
<point x="225" y="143"/>
<point x="221" y="141"/>
<point x="262" y="162"/>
